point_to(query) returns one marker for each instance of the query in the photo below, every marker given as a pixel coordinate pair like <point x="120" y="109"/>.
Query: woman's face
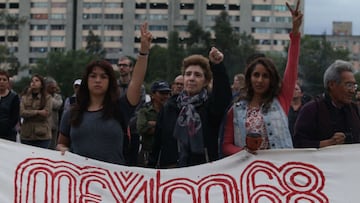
<point x="35" y="83"/>
<point x="194" y="80"/>
<point x="98" y="81"/>
<point x="4" y="83"/>
<point x="260" y="80"/>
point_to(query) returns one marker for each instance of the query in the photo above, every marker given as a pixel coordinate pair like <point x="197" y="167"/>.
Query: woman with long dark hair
<point x="35" y="110"/>
<point x="95" y="125"/>
<point x="259" y="121"/>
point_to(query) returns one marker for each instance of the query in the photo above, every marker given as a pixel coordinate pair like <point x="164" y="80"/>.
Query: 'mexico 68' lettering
<point x="58" y="181"/>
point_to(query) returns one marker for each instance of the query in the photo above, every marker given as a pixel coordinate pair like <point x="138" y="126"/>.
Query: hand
<point x="62" y="148"/>
<point x="215" y="56"/>
<point x="146" y="38"/>
<point x="338" y="138"/>
<point x="152" y="123"/>
<point x="43" y="112"/>
<point x="253" y="142"/>
<point x="296" y="17"/>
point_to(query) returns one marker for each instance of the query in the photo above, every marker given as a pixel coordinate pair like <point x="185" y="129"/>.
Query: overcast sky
<point x="319" y="15"/>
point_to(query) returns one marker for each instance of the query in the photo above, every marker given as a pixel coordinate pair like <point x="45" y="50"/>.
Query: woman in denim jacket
<point x="263" y="111"/>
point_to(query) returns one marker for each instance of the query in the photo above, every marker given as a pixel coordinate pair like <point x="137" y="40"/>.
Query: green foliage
<point x="315" y="57"/>
<point x="64" y="67"/>
<point x="10" y="22"/>
<point x="236" y="47"/>
<point x="199" y="41"/>
<point x="157" y="64"/>
<point x="20" y="86"/>
<point x="175" y="55"/>
<point x="94" y="45"/>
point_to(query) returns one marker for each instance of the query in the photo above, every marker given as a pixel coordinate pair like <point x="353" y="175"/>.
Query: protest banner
<point x="30" y="174"/>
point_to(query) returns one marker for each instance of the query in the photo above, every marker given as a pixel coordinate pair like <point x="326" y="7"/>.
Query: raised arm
<point x="134" y="91"/>
<point x="291" y="71"/>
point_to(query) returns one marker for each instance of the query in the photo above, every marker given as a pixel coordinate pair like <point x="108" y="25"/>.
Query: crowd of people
<point x="197" y="119"/>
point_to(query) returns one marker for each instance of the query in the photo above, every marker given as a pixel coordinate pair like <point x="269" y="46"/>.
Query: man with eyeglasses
<point x="332" y="118"/>
<point x="131" y="146"/>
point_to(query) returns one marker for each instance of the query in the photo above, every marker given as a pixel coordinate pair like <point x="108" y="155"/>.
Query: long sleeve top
<point x="284" y="97"/>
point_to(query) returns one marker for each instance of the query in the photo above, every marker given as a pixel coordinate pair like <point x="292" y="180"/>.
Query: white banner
<point x="30" y="175"/>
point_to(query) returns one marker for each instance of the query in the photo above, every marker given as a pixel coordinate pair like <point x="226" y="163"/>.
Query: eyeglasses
<point x="351" y="86"/>
<point x="123" y="64"/>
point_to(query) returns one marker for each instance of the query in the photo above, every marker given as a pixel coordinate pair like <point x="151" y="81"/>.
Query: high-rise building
<point x="64" y="24"/>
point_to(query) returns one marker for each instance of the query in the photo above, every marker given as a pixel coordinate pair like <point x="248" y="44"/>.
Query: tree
<point x="10" y="22"/>
<point x="199" y="41"/>
<point x="236" y="48"/>
<point x="157" y="64"/>
<point x="175" y="55"/>
<point x="94" y="45"/>
<point x="315" y="57"/>
<point x="64" y="67"/>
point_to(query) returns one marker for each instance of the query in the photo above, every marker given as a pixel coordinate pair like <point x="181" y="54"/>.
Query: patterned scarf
<point x="188" y="129"/>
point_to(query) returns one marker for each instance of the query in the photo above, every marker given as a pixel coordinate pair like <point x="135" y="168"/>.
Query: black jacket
<point x="211" y="113"/>
<point x="9" y="115"/>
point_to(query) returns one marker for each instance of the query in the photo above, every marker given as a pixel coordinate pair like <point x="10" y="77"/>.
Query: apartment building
<point x="64" y="24"/>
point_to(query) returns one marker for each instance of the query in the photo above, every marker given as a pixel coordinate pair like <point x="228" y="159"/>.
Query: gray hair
<point x="49" y="80"/>
<point x="333" y="72"/>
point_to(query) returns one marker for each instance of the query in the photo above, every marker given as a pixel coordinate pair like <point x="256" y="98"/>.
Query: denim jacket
<point x="276" y="125"/>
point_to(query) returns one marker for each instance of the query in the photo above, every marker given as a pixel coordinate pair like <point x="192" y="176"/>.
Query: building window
<point x="12" y="38"/>
<point x="158" y="6"/>
<point x="187" y="17"/>
<point x="87" y="16"/>
<point x="215" y="7"/>
<point x="261" y="19"/>
<point x="280" y="8"/>
<point x="57" y="16"/>
<point x="262" y="30"/>
<point x="92" y="5"/>
<point x="61" y="49"/>
<point x="57" y="27"/>
<point x="158" y="28"/>
<point x="58" y="5"/>
<point x="38" y="27"/>
<point x="158" y="16"/>
<point x="2" y="5"/>
<point x="261" y="7"/>
<point x="234" y="18"/>
<point x="140" y="16"/>
<point x="160" y="40"/>
<point x="113" y="16"/>
<point x="181" y="27"/>
<point x="39" y="16"/>
<point x="140" y="5"/>
<point x="112" y="39"/>
<point x="114" y="5"/>
<point x="38" y="49"/>
<point x="39" y="4"/>
<point x="90" y="27"/>
<point x="57" y="38"/>
<point x="187" y="6"/>
<point x="113" y="27"/>
<point x="39" y="38"/>
<point x="14" y="5"/>
<point x="234" y="7"/>
<point x="283" y="19"/>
